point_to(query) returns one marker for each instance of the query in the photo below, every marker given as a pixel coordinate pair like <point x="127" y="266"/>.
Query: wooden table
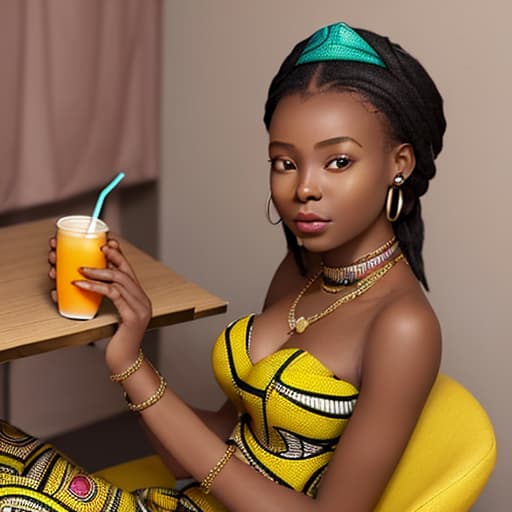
<point x="29" y="321"/>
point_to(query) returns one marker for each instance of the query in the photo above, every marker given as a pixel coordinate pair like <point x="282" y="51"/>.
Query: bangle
<point x="153" y="399"/>
<point x="206" y="484"/>
<point x="119" y="377"/>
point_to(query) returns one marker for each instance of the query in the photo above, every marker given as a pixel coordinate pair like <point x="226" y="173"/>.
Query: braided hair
<point x="406" y="95"/>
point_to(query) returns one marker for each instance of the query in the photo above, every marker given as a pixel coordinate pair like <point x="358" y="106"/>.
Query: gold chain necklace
<point x="299" y="325"/>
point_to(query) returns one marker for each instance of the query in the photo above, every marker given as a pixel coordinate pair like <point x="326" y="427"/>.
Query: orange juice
<point x="76" y="248"/>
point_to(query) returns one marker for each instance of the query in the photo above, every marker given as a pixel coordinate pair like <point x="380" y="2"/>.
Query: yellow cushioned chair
<point x="449" y="458"/>
<point x="445" y="467"/>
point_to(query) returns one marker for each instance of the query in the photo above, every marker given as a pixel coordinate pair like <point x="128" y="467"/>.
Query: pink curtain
<point x="79" y="96"/>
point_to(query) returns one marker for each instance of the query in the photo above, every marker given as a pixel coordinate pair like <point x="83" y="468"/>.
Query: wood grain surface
<point x="29" y="321"/>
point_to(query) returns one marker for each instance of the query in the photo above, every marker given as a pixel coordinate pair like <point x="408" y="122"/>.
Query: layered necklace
<point x="334" y="279"/>
<point x="363" y="273"/>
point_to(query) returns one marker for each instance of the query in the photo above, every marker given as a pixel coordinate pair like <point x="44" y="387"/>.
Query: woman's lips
<point x="312" y="226"/>
<point x="310" y="223"/>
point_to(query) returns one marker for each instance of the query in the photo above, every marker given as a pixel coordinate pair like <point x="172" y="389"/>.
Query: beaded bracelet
<point x="206" y="484"/>
<point x="119" y="377"/>
<point x="153" y="399"/>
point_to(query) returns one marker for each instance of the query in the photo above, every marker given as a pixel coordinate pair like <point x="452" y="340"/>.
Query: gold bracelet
<point x="153" y="399"/>
<point x="206" y="484"/>
<point x="119" y="377"/>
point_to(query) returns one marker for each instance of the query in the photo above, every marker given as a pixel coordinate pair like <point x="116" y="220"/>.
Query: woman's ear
<point x="404" y="160"/>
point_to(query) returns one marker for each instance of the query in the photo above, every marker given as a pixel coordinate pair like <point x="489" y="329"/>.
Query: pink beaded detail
<point x="334" y="277"/>
<point x="82" y="487"/>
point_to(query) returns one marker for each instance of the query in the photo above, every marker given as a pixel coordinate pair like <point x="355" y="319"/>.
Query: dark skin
<point x="331" y="156"/>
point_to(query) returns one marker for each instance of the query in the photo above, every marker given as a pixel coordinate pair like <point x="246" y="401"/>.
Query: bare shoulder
<point x="400" y="362"/>
<point x="408" y="321"/>
<point x="405" y="338"/>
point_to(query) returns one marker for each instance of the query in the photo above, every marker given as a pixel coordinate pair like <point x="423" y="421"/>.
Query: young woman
<point x="326" y="384"/>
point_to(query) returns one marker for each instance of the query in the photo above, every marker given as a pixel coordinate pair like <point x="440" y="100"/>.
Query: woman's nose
<point x="308" y="187"/>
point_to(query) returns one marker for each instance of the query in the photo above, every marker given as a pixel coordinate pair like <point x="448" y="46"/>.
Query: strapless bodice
<point x="292" y="408"/>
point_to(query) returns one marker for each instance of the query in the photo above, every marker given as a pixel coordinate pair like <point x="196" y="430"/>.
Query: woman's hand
<point x="119" y="283"/>
<point x="52" y="258"/>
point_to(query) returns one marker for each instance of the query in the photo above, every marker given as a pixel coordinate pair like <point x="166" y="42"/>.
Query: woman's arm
<point x="220" y="422"/>
<point x="400" y="364"/>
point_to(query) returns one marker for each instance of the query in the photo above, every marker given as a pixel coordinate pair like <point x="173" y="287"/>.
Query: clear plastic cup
<point x="77" y="248"/>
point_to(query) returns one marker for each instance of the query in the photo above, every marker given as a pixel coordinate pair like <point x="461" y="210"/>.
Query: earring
<point x="395" y="190"/>
<point x="267" y="212"/>
<point x="300" y="242"/>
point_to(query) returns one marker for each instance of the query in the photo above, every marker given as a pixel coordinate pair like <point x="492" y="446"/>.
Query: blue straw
<point x="101" y="198"/>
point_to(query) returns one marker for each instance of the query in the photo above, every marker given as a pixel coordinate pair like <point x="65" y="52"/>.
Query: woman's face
<point x="331" y="165"/>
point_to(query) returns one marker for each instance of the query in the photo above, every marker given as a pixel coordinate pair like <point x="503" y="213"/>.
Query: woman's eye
<point x="281" y="164"/>
<point x="340" y="162"/>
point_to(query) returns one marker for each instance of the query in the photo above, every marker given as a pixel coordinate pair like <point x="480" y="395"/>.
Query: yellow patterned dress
<point x="292" y="411"/>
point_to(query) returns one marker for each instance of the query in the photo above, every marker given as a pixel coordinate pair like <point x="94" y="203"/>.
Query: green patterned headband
<point x="339" y="42"/>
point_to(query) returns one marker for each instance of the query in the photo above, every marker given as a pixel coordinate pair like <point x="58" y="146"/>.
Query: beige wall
<point x="219" y="57"/>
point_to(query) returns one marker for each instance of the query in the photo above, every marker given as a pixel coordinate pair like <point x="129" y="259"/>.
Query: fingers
<point x="119" y="283"/>
<point x="132" y="304"/>
<point x="52" y="257"/>
<point x="117" y="292"/>
<point x="115" y="258"/>
<point x="51" y="261"/>
<point x="114" y="244"/>
<point x="114" y="275"/>
<point x="52" y="242"/>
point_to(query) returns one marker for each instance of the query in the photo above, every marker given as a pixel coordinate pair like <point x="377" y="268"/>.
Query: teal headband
<point x="339" y="42"/>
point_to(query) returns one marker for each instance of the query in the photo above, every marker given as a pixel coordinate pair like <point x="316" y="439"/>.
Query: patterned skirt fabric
<point x="35" y="477"/>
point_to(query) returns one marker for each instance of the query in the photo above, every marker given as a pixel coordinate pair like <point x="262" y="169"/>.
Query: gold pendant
<point x="301" y="324"/>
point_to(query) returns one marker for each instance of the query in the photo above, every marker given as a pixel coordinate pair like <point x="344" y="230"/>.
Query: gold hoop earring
<point x="267" y="212"/>
<point x="395" y="189"/>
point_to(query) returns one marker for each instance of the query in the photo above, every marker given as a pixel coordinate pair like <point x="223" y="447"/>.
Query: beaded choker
<point x="334" y="279"/>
